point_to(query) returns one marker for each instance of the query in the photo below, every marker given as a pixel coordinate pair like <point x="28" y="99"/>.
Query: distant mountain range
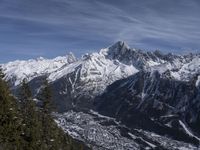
<point x="135" y="99"/>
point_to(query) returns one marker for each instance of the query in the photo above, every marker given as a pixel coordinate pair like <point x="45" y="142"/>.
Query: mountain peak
<point x="118" y="50"/>
<point x="121" y="43"/>
<point x="71" y="57"/>
<point x="119" y="46"/>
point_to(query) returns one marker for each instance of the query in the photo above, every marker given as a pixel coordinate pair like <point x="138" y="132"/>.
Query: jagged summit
<point x="120" y="45"/>
<point x="71" y="57"/>
<point x="118" y="50"/>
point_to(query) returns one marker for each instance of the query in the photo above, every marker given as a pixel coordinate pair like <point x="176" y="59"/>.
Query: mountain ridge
<point x="148" y="89"/>
<point x="90" y="75"/>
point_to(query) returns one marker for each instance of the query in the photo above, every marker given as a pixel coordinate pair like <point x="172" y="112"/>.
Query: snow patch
<point x="187" y="130"/>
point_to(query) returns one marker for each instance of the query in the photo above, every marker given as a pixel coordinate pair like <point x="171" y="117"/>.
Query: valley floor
<point x="105" y="133"/>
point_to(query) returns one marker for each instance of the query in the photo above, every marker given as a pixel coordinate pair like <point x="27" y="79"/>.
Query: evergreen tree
<point x="26" y="127"/>
<point x="46" y="98"/>
<point x="10" y="123"/>
<point x="25" y="96"/>
<point x="2" y="75"/>
<point x="30" y="115"/>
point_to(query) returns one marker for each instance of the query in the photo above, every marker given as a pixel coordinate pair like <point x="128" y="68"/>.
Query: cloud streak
<point x="49" y="27"/>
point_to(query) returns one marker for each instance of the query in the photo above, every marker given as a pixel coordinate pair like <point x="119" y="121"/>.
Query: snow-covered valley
<point x="105" y="133"/>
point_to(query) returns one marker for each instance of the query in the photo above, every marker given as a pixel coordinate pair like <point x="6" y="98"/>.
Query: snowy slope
<point x="17" y="70"/>
<point x="71" y="78"/>
<point x="90" y="75"/>
<point x="191" y="68"/>
<point x="181" y="68"/>
<point x="116" y="62"/>
<point x="94" y="72"/>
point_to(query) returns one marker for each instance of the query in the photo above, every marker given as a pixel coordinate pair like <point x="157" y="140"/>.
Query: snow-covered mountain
<point x="117" y="61"/>
<point x="83" y="78"/>
<point x="143" y="90"/>
<point x="76" y="79"/>
<point x="17" y="70"/>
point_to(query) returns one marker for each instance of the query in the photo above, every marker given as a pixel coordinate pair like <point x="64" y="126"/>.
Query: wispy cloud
<point x="52" y="26"/>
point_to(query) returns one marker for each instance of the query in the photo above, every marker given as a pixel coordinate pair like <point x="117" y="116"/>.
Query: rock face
<point x="155" y="103"/>
<point x="145" y="93"/>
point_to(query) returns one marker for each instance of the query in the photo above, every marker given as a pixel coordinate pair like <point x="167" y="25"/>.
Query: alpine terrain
<point x="120" y="98"/>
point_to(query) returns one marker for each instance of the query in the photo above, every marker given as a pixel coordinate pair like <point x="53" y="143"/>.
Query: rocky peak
<point x="119" y="50"/>
<point x="71" y="58"/>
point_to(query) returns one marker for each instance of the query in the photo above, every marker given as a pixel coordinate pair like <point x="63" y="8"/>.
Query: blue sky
<point x="48" y="28"/>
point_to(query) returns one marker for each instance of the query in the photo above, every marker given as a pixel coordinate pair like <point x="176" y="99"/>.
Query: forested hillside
<point x="25" y="126"/>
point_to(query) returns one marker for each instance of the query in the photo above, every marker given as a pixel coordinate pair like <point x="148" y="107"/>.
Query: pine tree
<point x="30" y="115"/>
<point x="2" y="75"/>
<point x="25" y="96"/>
<point x="23" y="126"/>
<point x="10" y="123"/>
<point x="45" y="97"/>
